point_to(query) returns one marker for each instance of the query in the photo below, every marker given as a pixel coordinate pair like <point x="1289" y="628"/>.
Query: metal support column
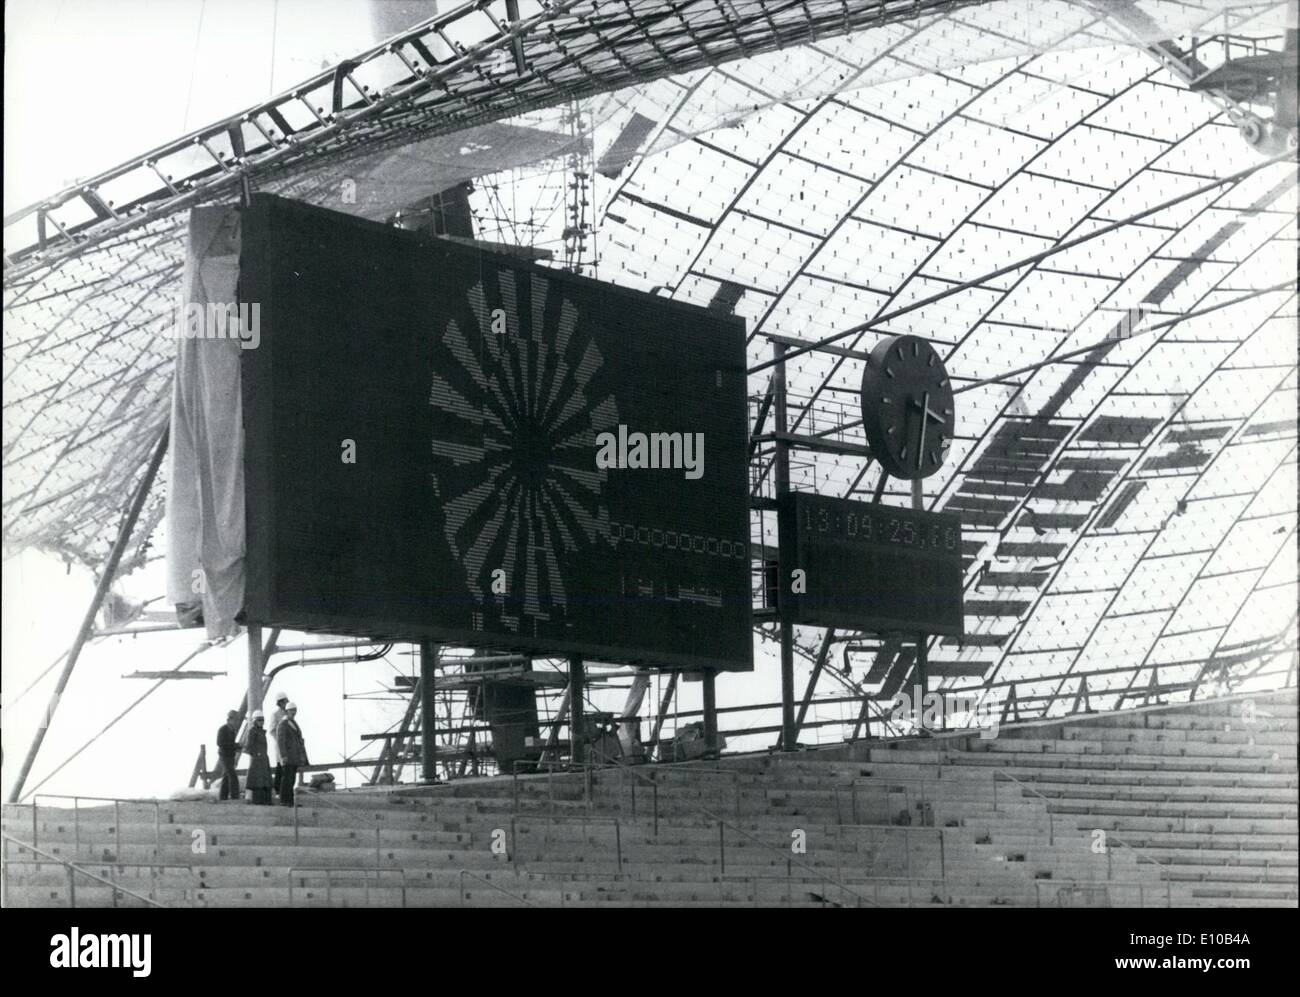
<point x="922" y="648"/>
<point x="827" y="639"/>
<point x="665" y="701"/>
<point x="552" y="739"/>
<point x="393" y="746"/>
<point x="428" y="716"/>
<point x="788" y="736"/>
<point x="256" y="665"/>
<point x="710" y="714"/>
<point x="577" y="713"/>
<point x="88" y="621"/>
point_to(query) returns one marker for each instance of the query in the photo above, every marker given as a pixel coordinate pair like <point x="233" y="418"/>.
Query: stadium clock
<point x="907" y="407"/>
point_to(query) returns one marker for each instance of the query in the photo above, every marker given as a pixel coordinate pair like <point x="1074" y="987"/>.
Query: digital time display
<point x="870" y="567"/>
<point x="874" y="524"/>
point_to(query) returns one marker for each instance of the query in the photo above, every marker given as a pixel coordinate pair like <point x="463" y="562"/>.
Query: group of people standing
<point x="263" y="780"/>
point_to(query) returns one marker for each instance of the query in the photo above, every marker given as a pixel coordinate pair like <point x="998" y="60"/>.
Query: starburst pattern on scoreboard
<point x="515" y="462"/>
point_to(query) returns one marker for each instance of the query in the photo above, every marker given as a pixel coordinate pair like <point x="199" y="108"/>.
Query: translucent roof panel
<point x="1022" y="184"/>
<point x="1104" y="498"/>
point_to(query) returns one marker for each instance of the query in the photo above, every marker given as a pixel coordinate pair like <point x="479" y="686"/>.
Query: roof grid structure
<point x="1086" y="452"/>
<point x="1125" y="509"/>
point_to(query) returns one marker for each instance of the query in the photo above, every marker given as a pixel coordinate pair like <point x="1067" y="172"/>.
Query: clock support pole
<point x="918" y="502"/>
<point x="782" y="482"/>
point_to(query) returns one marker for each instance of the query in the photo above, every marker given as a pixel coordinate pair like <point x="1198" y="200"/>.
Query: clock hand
<point x="925" y="408"/>
<point x="925" y="411"/>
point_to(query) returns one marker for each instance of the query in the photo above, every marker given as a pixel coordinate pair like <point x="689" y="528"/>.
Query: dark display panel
<point x="493" y="409"/>
<point x="509" y="705"/>
<point x="871" y="567"/>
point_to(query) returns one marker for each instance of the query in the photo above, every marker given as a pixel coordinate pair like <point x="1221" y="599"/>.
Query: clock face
<point x="907" y="407"/>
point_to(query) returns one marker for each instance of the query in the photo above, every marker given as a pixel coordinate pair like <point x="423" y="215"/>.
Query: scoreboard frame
<point x="823" y="537"/>
<point x="653" y="563"/>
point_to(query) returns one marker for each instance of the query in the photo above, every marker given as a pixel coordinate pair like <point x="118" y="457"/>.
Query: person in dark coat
<point x="293" y="753"/>
<point x="259" y="765"/>
<point x="228" y="752"/>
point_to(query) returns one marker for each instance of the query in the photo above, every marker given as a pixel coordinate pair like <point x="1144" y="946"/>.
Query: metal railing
<point x="820" y="877"/>
<point x="190" y="892"/>
<point x="73" y="870"/>
<point x="1140" y="854"/>
<point x="320" y="798"/>
<point x="671" y="768"/>
<point x="874" y="882"/>
<point x="487" y="882"/>
<point x="117" y="817"/>
<point x="835" y="794"/>
<point x="625" y="770"/>
<point x="1051" y="823"/>
<point x="1075" y="886"/>
<point x="564" y="768"/>
<point x="586" y="771"/>
<point x="328" y="871"/>
<point x="583" y="818"/>
<point x="1027" y="710"/>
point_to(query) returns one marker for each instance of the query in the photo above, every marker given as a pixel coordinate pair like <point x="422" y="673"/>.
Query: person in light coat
<point x="293" y="753"/>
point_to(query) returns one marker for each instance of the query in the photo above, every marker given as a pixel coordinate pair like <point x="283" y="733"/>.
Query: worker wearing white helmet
<point x="259" y="767"/>
<point x="293" y="753"/>
<point x="277" y="718"/>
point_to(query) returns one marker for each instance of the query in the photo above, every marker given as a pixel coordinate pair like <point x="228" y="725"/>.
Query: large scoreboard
<point x="869" y="566"/>
<point x="450" y="444"/>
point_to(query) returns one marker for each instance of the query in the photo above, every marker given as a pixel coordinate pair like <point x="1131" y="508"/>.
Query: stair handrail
<point x="329" y="871"/>
<point x="722" y="822"/>
<point x="1051" y="823"/>
<point x="1051" y="837"/>
<point x="299" y="794"/>
<point x="488" y="882"/>
<point x="360" y="821"/>
<point x="72" y="868"/>
<point x="117" y="802"/>
<point x="609" y="761"/>
<point x="565" y="768"/>
<point x="1142" y="856"/>
<point x="585" y="818"/>
<point x="875" y="882"/>
<point x="703" y="811"/>
<point x="1095" y="883"/>
<point x="193" y="889"/>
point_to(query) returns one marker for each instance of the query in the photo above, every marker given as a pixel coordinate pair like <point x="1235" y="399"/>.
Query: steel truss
<point x="426" y="81"/>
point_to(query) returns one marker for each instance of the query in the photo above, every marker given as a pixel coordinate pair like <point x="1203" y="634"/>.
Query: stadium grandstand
<point x="1023" y="634"/>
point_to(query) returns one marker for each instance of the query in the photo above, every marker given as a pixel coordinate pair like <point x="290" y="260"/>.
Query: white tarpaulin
<point x="205" y="503"/>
